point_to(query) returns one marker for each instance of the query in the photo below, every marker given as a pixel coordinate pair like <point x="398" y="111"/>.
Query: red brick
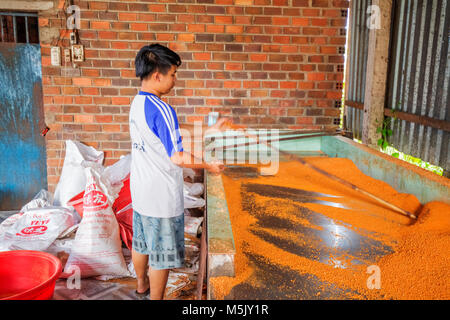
<point x="300" y="3"/>
<point x="107" y="35"/>
<point x="196" y="27"/>
<point x="127" y="16"/>
<point x="202" y="56"/>
<point x="186" y="37"/>
<point x="111" y="128"/>
<point x="300" y="21"/>
<point x="82" y="100"/>
<point x="139" y="26"/>
<point x="280" y="21"/>
<point x="223" y="20"/>
<point x="311" y="12"/>
<point x="119" y="45"/>
<point x="157" y="8"/>
<point x="90" y="91"/>
<point x="215" y="28"/>
<point x="165" y="37"/>
<point x="258" y="57"/>
<point x="49" y="90"/>
<point x="101" y="82"/>
<point x="84" y="82"/>
<point x="100" y="25"/>
<point x="231" y="84"/>
<point x="120" y="100"/>
<point x="233" y="66"/>
<point x="70" y="90"/>
<point x="234" y="29"/>
<point x="320" y="3"/>
<point x="103" y="118"/>
<point x="319" y="22"/>
<point x="251" y="84"/>
<point x="82" y="118"/>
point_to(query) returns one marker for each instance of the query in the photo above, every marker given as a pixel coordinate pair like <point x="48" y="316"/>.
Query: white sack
<point x="42" y="199"/>
<point x="193" y="202"/>
<point x="97" y="248"/>
<point x="188" y="173"/>
<point x="118" y="171"/>
<point x="73" y="179"/>
<point x="193" y="189"/>
<point x="35" y="229"/>
<point x="191" y="224"/>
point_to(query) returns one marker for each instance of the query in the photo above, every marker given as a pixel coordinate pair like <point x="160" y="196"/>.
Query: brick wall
<point x="266" y="63"/>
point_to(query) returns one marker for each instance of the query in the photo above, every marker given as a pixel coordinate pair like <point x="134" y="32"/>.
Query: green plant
<point x="413" y="160"/>
<point x="386" y="132"/>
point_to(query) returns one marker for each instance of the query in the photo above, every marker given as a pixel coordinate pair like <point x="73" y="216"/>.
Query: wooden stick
<point x="346" y="183"/>
<point x="288" y="133"/>
<point x="350" y="185"/>
<point x="271" y="140"/>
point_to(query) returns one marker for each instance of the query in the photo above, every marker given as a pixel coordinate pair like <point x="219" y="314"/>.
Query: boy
<point x="156" y="178"/>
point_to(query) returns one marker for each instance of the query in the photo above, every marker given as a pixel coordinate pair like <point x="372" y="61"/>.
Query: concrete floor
<point x="181" y="286"/>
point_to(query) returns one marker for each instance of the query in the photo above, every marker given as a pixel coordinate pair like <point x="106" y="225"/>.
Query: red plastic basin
<point x="28" y="275"/>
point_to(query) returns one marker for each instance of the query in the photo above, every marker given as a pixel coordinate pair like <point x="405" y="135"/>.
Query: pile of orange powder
<point x="418" y="268"/>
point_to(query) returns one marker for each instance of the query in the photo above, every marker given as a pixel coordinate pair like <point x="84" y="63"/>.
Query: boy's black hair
<point x="155" y="57"/>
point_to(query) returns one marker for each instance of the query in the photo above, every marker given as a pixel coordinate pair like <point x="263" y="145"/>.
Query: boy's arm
<point x="187" y="160"/>
<point x="195" y="133"/>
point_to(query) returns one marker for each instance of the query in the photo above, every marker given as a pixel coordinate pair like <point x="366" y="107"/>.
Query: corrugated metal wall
<point x="419" y="77"/>
<point x="357" y="62"/>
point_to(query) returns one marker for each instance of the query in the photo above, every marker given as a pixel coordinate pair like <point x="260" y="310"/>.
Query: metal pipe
<point x="18" y="14"/>
<point x="14" y="29"/>
<point x="26" y="29"/>
<point x="1" y="25"/>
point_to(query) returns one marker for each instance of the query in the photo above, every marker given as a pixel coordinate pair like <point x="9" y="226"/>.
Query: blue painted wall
<point x="23" y="169"/>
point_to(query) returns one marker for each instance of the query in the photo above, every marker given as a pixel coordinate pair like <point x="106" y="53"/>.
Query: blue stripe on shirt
<point x="158" y="122"/>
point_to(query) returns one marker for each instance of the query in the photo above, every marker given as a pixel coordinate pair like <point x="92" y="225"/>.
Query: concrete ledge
<point x="221" y="249"/>
<point x="400" y="175"/>
<point x="221" y="265"/>
<point x="26" y="5"/>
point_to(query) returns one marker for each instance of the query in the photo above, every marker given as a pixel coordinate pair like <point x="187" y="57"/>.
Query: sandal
<point x="143" y="294"/>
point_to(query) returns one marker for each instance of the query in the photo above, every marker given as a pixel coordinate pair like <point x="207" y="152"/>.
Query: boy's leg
<point x="140" y="262"/>
<point x="158" y="282"/>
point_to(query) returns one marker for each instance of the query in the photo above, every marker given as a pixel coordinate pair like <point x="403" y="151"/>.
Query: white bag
<point x="190" y="194"/>
<point x="118" y="171"/>
<point x="97" y="248"/>
<point x="42" y="199"/>
<point x="192" y="224"/>
<point x="73" y="179"/>
<point x="193" y="189"/>
<point x="34" y="229"/>
<point x="193" y="202"/>
<point x="188" y="173"/>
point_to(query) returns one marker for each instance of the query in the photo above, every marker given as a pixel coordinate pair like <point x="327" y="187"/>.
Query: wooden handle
<point x="350" y="185"/>
<point x="346" y="183"/>
<point x="257" y="141"/>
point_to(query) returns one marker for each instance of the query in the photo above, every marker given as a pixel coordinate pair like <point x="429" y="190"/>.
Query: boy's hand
<point x="215" y="167"/>
<point x="223" y="124"/>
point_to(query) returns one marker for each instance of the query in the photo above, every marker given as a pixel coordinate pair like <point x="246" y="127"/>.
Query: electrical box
<point x="73" y="38"/>
<point x="67" y="54"/>
<point x="77" y="53"/>
<point x="55" y="56"/>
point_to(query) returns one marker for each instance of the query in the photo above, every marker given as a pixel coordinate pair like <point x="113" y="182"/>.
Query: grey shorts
<point x="162" y="239"/>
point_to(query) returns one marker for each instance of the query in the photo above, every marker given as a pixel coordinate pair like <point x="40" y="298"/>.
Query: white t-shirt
<point x="156" y="183"/>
